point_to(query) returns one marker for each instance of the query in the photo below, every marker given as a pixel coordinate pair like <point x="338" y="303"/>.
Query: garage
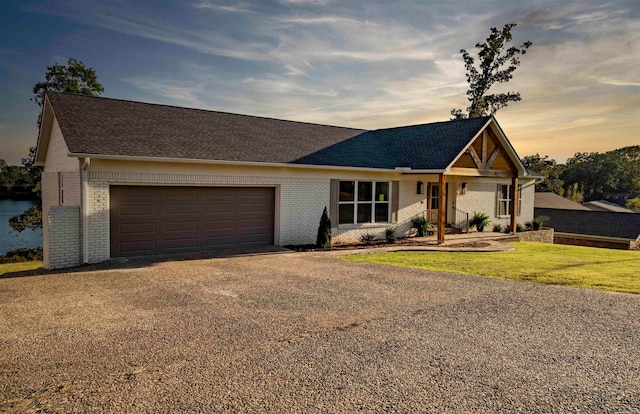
<point x="150" y="220"/>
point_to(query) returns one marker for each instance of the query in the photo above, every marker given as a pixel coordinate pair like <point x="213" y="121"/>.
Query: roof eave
<point x="226" y="162"/>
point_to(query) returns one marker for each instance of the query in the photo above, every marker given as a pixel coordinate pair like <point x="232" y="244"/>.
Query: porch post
<point x="442" y="207"/>
<point x="513" y="207"/>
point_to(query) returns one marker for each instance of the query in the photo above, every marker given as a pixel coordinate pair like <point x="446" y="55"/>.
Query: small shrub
<point x="367" y="238"/>
<point x="323" y="238"/>
<point x="507" y="229"/>
<point x="479" y="220"/>
<point x="536" y="223"/>
<point x="497" y="228"/>
<point x="25" y="253"/>
<point x="421" y="224"/>
<point x="391" y="235"/>
<point x="528" y="226"/>
<point x="519" y="228"/>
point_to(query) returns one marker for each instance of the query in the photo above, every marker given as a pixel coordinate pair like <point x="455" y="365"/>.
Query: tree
<point x="496" y="65"/>
<point x="74" y="77"/>
<point x="549" y="169"/>
<point x="323" y="238"/>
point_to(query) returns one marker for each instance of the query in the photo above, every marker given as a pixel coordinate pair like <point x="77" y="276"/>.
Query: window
<point x="363" y="202"/>
<point x="60" y="189"/>
<point x="504" y="200"/>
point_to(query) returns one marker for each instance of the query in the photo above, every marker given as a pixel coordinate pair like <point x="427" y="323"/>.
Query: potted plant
<point x="479" y="221"/>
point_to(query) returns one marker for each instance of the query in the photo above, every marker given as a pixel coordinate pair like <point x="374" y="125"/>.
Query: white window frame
<point x="507" y="200"/>
<point x="373" y="203"/>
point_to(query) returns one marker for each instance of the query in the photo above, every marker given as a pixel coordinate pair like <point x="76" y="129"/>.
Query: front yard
<point x="615" y="270"/>
<point x="19" y="266"/>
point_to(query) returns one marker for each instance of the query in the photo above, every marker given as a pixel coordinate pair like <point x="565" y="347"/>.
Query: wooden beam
<point x="485" y="138"/>
<point x="442" y="207"/>
<point x="474" y="172"/>
<point x="513" y="206"/>
<point x="475" y="157"/>
<point x="492" y="157"/>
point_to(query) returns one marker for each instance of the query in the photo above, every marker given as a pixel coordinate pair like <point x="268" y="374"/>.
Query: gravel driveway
<point x="306" y="332"/>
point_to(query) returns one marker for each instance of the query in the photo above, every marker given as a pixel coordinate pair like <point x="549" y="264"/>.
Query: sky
<point x="356" y="63"/>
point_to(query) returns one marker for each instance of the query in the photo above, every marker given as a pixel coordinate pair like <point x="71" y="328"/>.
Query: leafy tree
<point x="496" y="65"/>
<point x="74" y="77"/>
<point x="549" y="169"/>
<point x="595" y="174"/>
<point x="633" y="204"/>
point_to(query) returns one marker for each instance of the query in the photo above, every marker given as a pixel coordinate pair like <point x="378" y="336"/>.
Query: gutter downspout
<point x="85" y="210"/>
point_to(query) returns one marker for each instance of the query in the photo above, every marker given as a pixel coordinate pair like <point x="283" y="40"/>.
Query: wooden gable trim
<point x="486" y="149"/>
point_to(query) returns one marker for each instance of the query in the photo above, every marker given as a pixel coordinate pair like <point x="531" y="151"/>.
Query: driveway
<point x="306" y="332"/>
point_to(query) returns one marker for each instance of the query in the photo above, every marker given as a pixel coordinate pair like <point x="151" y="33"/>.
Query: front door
<point x="433" y="201"/>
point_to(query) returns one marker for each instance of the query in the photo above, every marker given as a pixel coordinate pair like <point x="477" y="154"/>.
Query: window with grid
<point x="504" y="200"/>
<point x="363" y="202"/>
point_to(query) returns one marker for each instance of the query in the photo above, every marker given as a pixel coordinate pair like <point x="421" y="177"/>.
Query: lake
<point x="10" y="239"/>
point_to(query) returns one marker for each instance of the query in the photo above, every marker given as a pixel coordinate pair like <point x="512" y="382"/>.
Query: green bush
<point x="421" y="224"/>
<point x="367" y="238"/>
<point x="536" y="223"/>
<point x="507" y="229"/>
<point x="497" y="228"/>
<point x="519" y="228"/>
<point x="391" y="235"/>
<point x="26" y="253"/>
<point x="479" y="221"/>
<point x="324" y="231"/>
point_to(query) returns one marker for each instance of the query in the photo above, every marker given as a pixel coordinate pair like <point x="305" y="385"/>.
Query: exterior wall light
<point x="420" y="188"/>
<point x="464" y="188"/>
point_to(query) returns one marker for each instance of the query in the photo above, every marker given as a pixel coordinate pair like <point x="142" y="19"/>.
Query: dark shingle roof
<point x="102" y="126"/>
<point x="552" y="200"/>
<point x="596" y="223"/>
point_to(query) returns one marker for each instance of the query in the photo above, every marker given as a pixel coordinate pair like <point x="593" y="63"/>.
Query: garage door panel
<point x="157" y="220"/>
<point x="188" y="244"/>
<point x="223" y="208"/>
<point x="138" y="228"/>
<point x="173" y="226"/>
<point x="138" y="247"/>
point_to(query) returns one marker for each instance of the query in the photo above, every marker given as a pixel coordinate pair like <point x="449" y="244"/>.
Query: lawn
<point x="19" y="266"/>
<point x="616" y="270"/>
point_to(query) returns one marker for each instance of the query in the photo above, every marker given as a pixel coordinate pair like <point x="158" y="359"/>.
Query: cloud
<point x="222" y="7"/>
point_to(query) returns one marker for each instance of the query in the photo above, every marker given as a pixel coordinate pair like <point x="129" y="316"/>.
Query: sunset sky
<point x="366" y="64"/>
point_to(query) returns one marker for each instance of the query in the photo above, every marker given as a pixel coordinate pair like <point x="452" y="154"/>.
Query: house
<point x="126" y="178"/>
<point x="576" y="224"/>
<point x="554" y="201"/>
<point x="604" y="205"/>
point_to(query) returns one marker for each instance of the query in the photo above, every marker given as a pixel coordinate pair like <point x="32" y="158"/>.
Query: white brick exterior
<point x="481" y="195"/>
<point x="62" y="237"/>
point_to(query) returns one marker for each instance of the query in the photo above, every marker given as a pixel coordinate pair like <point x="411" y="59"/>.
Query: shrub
<point x="26" y="253"/>
<point x="324" y="230"/>
<point x="421" y="224"/>
<point x="536" y="223"/>
<point x="497" y="228"/>
<point x="519" y="228"/>
<point x="479" y="220"/>
<point x="391" y="235"/>
<point x="367" y="238"/>
<point x="507" y="229"/>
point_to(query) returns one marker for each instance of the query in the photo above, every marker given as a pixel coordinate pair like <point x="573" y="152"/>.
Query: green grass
<point x="587" y="267"/>
<point x="19" y="266"/>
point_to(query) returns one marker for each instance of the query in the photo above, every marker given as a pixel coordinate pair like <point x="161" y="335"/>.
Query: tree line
<point x="589" y="176"/>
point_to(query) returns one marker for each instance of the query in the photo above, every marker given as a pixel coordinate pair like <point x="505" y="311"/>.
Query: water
<point x="10" y="239"/>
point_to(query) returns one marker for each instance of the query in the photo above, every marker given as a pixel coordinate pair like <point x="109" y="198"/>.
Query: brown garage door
<point x="160" y="220"/>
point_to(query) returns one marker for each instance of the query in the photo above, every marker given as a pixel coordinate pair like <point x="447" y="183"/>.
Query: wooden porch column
<point x="513" y="207"/>
<point x="442" y="207"/>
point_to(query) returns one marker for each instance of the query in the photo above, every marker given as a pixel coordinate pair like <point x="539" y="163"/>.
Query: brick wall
<point x="539" y="236"/>
<point x="62" y="237"/>
<point x="481" y="196"/>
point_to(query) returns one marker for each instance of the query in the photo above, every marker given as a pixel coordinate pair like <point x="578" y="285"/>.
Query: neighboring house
<point x="554" y="201"/>
<point x="604" y="205"/>
<point x="127" y="178"/>
<point x="576" y="224"/>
